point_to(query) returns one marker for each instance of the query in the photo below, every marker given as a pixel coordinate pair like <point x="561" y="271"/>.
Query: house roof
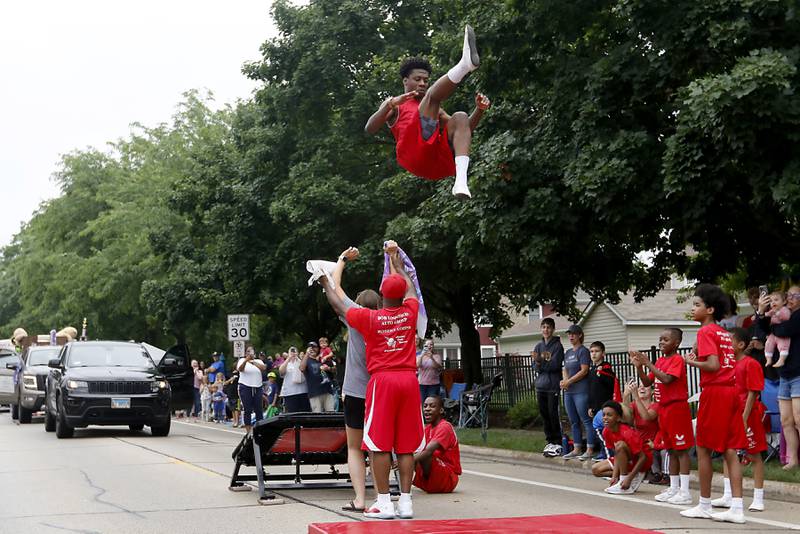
<point x="661" y="307"/>
<point x="523" y="327"/>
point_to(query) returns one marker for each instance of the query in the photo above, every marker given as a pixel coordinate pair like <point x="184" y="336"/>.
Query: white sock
<point x="463" y="67"/>
<point x="726" y="482"/>
<point x="685" y="483"/>
<point x="705" y="503"/>
<point x="737" y="503"/>
<point x="462" y="165"/>
<point x="758" y="495"/>
<point x="674" y="482"/>
<point x="384" y="500"/>
<point x="405" y="498"/>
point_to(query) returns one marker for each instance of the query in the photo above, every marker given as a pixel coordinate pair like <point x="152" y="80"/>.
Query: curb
<point x="779" y="491"/>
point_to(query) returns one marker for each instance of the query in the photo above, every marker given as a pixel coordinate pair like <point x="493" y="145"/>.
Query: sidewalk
<point x="780" y="491"/>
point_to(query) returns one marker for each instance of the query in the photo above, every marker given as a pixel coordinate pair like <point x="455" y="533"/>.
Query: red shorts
<point x="675" y="426"/>
<point x="756" y="434"/>
<point x="719" y="419"/>
<point x="393" y="414"/>
<point x="648" y="463"/>
<point x="441" y="479"/>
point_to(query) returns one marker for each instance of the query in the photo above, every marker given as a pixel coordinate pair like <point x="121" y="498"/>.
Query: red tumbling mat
<point x="541" y="524"/>
<point x="311" y="440"/>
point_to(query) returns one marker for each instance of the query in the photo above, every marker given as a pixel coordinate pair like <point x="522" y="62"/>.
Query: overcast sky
<point x="76" y="73"/>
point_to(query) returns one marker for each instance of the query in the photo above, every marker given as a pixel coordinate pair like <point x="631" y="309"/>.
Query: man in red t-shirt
<point x="393" y="415"/>
<point x="439" y="464"/>
<point x="427" y="137"/>
<point x="674" y="416"/>
<point x="719" y="419"/>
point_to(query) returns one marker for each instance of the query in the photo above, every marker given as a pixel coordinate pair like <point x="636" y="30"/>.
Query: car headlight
<point x="78" y="386"/>
<point x="29" y="381"/>
<point x="158" y="385"/>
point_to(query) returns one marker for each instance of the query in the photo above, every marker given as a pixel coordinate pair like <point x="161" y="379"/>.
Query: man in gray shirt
<point x="354" y="388"/>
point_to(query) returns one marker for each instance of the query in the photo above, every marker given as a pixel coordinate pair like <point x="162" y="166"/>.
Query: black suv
<point x="106" y="383"/>
<point x="31" y="379"/>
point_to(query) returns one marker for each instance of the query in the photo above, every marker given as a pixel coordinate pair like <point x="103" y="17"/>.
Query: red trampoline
<point x="570" y="523"/>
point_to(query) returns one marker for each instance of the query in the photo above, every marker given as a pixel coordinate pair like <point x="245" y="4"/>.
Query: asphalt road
<point x="111" y="480"/>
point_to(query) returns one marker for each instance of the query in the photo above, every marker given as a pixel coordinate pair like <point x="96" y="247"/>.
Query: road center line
<point x="593" y="493"/>
<point x="240" y="434"/>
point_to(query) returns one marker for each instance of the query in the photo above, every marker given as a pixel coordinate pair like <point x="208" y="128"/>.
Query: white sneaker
<point x="730" y="515"/>
<point x="375" y="512"/>
<point x="616" y="489"/>
<point x="469" y="49"/>
<point x="665" y="495"/>
<point x="548" y="448"/>
<point x="461" y="192"/>
<point x="757" y="506"/>
<point x="722" y="502"/>
<point x="696" y="512"/>
<point x="638" y="478"/>
<point x="405" y="510"/>
<point x="680" y="498"/>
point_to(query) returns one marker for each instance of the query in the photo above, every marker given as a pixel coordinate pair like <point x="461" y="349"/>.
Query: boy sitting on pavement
<point x="438" y="466"/>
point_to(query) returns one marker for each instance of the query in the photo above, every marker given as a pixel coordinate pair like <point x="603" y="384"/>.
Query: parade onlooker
<point x="758" y="336"/>
<point x="438" y="465"/>
<point x="271" y="394"/>
<point x="640" y="410"/>
<point x="250" y="386"/>
<point x="789" y="387"/>
<point x="231" y="389"/>
<point x="602" y="386"/>
<point x="668" y="374"/>
<point x="294" y="390"/>
<point x="575" y="385"/>
<point x="548" y="361"/>
<point x="777" y="313"/>
<point x="217" y="366"/>
<point x="197" y="382"/>
<point x="429" y="367"/>
<point x="632" y="456"/>
<point x="205" y="399"/>
<point x="320" y="388"/>
<point x="218" y="399"/>
<point x="719" y="419"/>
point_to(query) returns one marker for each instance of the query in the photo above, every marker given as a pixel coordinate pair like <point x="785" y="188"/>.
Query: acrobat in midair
<point x="430" y="143"/>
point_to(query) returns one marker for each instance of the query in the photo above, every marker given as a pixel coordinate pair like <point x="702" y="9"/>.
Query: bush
<point x="524" y="414"/>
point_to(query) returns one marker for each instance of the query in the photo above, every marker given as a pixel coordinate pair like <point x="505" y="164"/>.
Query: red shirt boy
<point x="635" y="443"/>
<point x="445" y="466"/>
<point x="750" y="377"/>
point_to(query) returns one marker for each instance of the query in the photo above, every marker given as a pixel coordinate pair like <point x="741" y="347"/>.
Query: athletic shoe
<point x="574" y="453"/>
<point x="696" y="512"/>
<point x="722" y="502"/>
<point x="557" y="450"/>
<point x="548" y="448"/>
<point x="585" y="456"/>
<point x="616" y="489"/>
<point x="375" y="512"/>
<point x="680" y="498"/>
<point x="757" y="506"/>
<point x="665" y="495"/>
<point x="600" y="456"/>
<point x="730" y="516"/>
<point x="405" y="510"/>
<point x="470" y="47"/>
<point x="637" y="481"/>
<point x="461" y="192"/>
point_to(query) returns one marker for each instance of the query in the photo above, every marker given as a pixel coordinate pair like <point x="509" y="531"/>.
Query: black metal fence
<point x="519" y="375"/>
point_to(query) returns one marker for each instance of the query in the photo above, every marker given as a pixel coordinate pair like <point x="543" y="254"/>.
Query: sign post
<point x="238" y="333"/>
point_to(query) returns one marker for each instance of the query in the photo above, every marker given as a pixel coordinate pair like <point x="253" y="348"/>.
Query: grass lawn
<point x="533" y="441"/>
<point x="504" y="438"/>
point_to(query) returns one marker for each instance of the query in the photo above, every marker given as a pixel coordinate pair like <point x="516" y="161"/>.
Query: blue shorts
<point x="789" y="388"/>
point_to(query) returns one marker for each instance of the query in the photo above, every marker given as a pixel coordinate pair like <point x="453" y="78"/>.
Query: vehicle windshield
<point x="109" y="356"/>
<point x="42" y="355"/>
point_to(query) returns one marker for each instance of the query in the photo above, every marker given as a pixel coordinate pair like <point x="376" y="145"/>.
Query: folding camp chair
<point x="772" y="418"/>
<point x="474" y="411"/>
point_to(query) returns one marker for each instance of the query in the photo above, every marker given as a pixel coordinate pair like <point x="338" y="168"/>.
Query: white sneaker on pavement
<point x="722" y="502"/>
<point x="616" y="489"/>
<point x="376" y="512"/>
<point x="665" y="495"/>
<point x="638" y="478"/>
<point x="757" y="506"/>
<point x="696" y="512"/>
<point x="680" y="498"/>
<point x="405" y="510"/>
<point x="730" y="515"/>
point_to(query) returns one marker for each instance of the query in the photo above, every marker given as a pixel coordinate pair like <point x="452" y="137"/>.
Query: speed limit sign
<point x="239" y="327"/>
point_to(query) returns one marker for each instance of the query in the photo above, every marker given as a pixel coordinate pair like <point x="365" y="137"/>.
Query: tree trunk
<point x="469" y="337"/>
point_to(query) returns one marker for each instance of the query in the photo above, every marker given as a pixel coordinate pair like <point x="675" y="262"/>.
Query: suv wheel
<point x="24" y="415"/>
<point x="136" y="428"/>
<point x="49" y="420"/>
<point x="63" y="430"/>
<point x="160" y="430"/>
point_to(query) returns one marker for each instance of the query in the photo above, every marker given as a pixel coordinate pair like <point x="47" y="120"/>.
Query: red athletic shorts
<point x="648" y="463"/>
<point x="675" y="426"/>
<point x="719" y="419"/>
<point x="393" y="414"/>
<point x="441" y="479"/>
<point x="756" y="434"/>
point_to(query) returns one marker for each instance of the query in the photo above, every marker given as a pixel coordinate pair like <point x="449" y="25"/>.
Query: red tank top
<point x="432" y="159"/>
